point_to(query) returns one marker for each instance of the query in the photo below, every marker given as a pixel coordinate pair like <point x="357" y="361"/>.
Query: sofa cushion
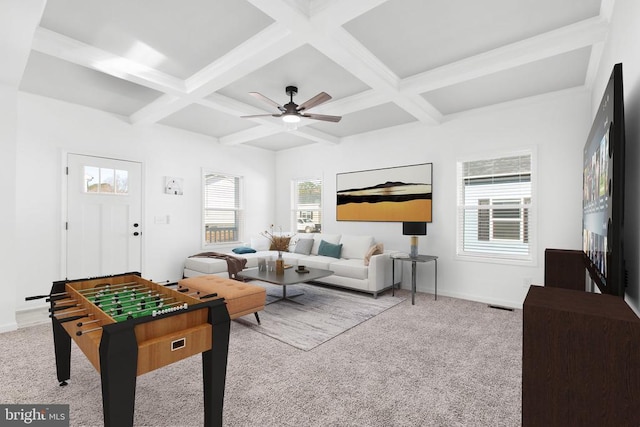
<point x="355" y="246"/>
<point x="329" y="238"/>
<point x="303" y="246"/>
<point x="318" y="261"/>
<point x="353" y="268"/>
<point x="329" y="249"/>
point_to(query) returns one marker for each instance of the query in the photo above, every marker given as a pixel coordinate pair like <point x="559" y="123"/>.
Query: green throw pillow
<point x="329" y="249"/>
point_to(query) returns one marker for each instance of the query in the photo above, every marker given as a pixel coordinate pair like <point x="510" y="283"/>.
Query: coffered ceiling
<point x="191" y="64"/>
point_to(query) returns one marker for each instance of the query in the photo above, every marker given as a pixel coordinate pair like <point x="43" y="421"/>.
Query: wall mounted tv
<point x="603" y="192"/>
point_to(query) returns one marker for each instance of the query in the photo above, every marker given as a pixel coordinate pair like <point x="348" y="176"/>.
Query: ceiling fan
<point x="292" y="112"/>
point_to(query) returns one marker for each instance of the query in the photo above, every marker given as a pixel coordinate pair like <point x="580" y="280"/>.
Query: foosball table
<point x="128" y="326"/>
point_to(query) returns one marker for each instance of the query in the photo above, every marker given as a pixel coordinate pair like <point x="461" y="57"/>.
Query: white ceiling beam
<point x="251" y="55"/>
<point x="74" y="51"/>
<point x="339" y="12"/>
<point x="323" y="30"/>
<point x="18" y="23"/>
<point x="344" y="49"/>
<point x="565" y="39"/>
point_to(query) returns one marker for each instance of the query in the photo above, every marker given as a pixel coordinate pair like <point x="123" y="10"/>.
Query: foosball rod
<point x="137" y="310"/>
<point x="66" y="312"/>
<point x="81" y="324"/>
<point x="128" y="287"/>
<point x="86" y="331"/>
<point x="62" y="307"/>
<point x="183" y="290"/>
<point x="130" y="303"/>
<point x="107" y="286"/>
<point x="209" y="296"/>
<point x="44" y="296"/>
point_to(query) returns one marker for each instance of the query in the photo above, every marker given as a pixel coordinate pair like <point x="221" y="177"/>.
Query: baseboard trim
<point x="32" y="316"/>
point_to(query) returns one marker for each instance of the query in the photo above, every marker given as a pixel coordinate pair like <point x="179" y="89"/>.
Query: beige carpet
<point x="448" y="362"/>
<point x="317" y="315"/>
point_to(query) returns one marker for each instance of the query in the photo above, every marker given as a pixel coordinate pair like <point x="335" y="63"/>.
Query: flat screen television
<point x="603" y="192"/>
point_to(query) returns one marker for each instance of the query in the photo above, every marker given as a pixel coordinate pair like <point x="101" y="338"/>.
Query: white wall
<point x="8" y="96"/>
<point x="554" y="126"/>
<point x="47" y="129"/>
<point x="622" y="46"/>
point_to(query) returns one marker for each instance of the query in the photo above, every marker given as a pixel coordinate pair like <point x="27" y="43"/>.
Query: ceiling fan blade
<point x="260" y="115"/>
<point x="320" y="98"/>
<point x="267" y="100"/>
<point x="324" y="117"/>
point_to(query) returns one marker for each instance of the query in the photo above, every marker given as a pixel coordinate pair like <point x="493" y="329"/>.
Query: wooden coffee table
<point x="290" y="277"/>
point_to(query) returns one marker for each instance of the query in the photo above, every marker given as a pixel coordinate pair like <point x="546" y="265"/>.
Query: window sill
<point x="485" y="258"/>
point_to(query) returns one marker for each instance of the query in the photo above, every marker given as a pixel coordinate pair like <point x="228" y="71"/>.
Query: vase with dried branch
<point x="279" y="241"/>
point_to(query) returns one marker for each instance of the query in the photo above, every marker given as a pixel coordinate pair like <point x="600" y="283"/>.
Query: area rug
<point x="322" y="314"/>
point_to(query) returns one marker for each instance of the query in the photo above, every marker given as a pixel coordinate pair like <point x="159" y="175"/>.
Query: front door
<point x="104" y="205"/>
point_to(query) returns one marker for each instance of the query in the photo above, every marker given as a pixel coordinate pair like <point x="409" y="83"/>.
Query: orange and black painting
<point x="399" y="194"/>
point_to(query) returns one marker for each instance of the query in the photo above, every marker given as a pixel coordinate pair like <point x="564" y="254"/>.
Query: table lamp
<point x="414" y="229"/>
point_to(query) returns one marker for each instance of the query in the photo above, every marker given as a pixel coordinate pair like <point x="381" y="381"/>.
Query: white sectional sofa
<point x="356" y="268"/>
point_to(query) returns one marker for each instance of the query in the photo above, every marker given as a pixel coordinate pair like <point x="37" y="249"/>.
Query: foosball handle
<point x="208" y="296"/>
<point x="183" y="290"/>
<point x="36" y="297"/>
<point x="72" y="318"/>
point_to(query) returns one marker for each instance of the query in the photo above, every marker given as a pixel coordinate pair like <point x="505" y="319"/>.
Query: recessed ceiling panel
<point x="55" y="78"/>
<point x="306" y="68"/>
<point x="412" y="36"/>
<point x="548" y="75"/>
<point x="370" y="119"/>
<point x="176" y="37"/>
<point x="196" y="118"/>
<point x="280" y="141"/>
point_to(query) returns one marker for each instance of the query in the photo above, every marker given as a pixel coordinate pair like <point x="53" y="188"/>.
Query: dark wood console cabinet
<point x="580" y="360"/>
<point x="564" y="268"/>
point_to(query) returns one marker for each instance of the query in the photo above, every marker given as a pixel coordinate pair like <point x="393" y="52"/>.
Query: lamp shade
<point x="414" y="228"/>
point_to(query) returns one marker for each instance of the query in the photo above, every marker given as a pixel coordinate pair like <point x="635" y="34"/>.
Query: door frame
<point x="64" y="214"/>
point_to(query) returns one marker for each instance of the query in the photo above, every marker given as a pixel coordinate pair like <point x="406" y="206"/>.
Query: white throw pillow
<point x="355" y="247"/>
<point x="260" y="243"/>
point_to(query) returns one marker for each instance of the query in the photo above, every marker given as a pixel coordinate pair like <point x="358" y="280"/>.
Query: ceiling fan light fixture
<point x="291" y="118"/>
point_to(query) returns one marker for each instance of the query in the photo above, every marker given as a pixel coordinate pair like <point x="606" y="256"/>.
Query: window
<point x="105" y="180"/>
<point x="222" y="202"/>
<point x="494" y="208"/>
<point x="307" y="205"/>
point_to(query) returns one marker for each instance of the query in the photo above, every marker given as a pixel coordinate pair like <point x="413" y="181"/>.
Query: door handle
<point x="135" y="224"/>
<point x="135" y="233"/>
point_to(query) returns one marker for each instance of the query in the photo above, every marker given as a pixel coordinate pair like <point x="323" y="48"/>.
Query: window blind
<point x="222" y="208"/>
<point x="494" y="207"/>
<point x="307" y="205"/>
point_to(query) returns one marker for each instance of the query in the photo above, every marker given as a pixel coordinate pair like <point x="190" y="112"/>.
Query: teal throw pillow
<point x="329" y="249"/>
<point x="244" y="250"/>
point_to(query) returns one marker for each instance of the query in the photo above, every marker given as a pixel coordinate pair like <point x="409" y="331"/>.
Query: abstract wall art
<point x="395" y="194"/>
